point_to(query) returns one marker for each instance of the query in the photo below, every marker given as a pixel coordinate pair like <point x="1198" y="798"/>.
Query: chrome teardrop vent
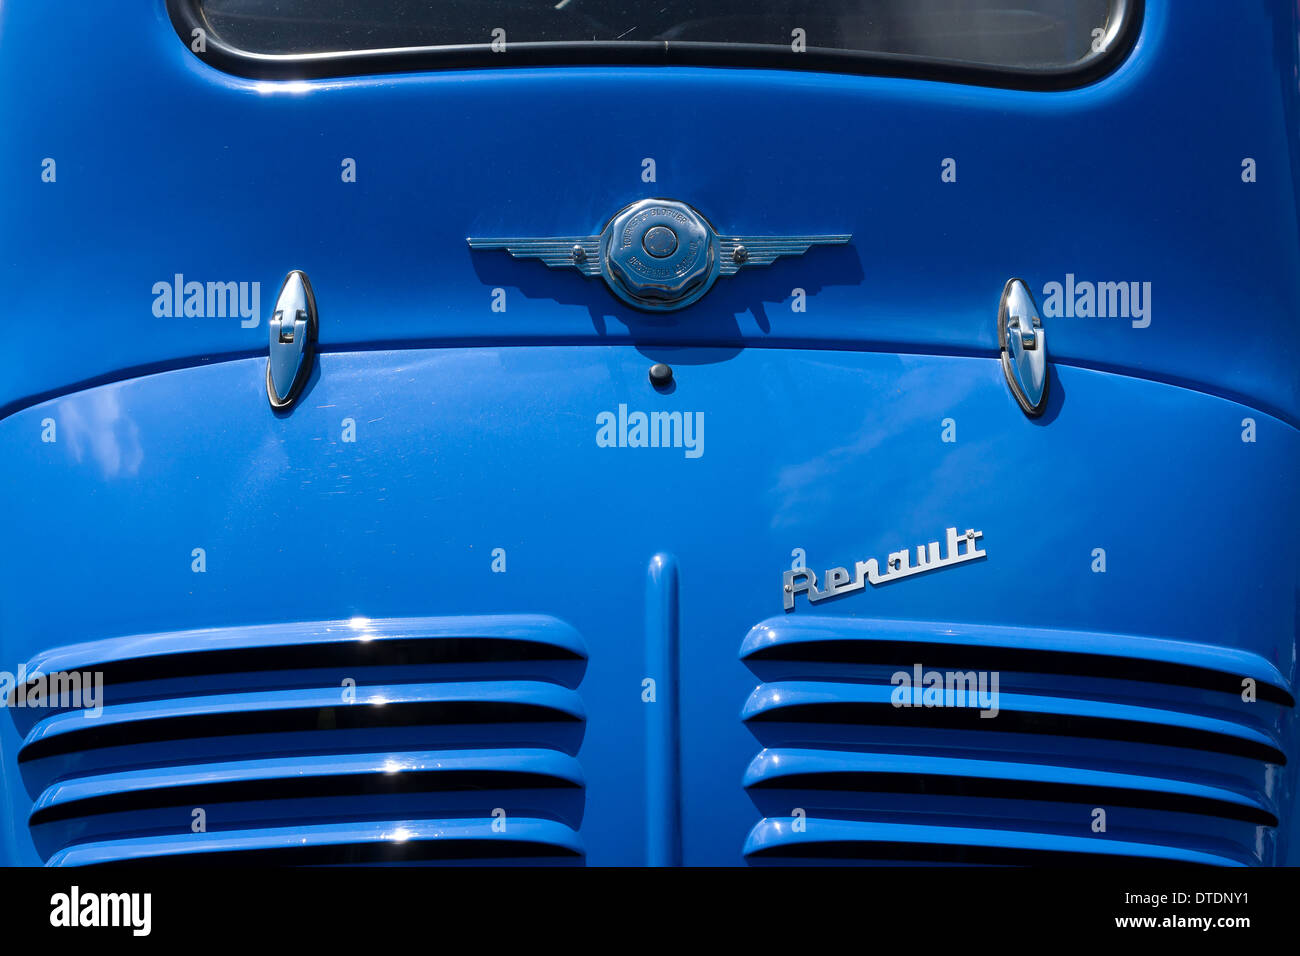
<point x="292" y="341"/>
<point x="1024" y="347"/>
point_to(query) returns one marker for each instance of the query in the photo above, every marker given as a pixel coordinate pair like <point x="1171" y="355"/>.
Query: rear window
<point x="1009" y="37"/>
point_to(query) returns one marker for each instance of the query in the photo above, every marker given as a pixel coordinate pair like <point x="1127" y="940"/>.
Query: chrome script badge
<point x="658" y="254"/>
<point x="958" y="549"/>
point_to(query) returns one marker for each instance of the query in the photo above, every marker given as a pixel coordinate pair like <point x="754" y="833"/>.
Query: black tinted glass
<point x="1012" y="34"/>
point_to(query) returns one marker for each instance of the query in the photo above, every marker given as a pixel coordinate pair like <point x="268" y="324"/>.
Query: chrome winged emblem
<point x="658" y="254"/>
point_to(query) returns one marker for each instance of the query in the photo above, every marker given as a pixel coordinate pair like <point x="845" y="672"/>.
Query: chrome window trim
<point x="187" y="15"/>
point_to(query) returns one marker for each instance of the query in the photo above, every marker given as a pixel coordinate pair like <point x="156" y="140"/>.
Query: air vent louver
<point x="1152" y="732"/>
<point x="405" y="740"/>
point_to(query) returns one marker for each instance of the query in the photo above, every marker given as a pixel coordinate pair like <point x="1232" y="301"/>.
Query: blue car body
<point x="432" y="613"/>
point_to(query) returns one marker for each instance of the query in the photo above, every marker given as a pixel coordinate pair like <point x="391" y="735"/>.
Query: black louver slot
<point x="412" y="740"/>
<point x="1154" y="738"/>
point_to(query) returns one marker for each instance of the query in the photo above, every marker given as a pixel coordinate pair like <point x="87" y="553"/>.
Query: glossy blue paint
<point x="64" y="793"/>
<point x="778" y="765"/>
<point x="769" y="700"/>
<point x="663" y="713"/>
<point x="548" y="632"/>
<point x="779" y="834"/>
<point x="1134" y="178"/>
<point x="497" y="584"/>
<point x="790" y="633"/>
<point x="392" y="530"/>
<point x="375" y="837"/>
<point x="82" y="809"/>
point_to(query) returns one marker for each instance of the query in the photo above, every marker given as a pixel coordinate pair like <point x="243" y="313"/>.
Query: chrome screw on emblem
<point x="1023" y="342"/>
<point x="658" y="254"/>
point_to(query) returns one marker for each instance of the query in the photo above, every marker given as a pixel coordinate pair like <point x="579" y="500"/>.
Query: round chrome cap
<point x="659" y="254"/>
<point x="660" y="241"/>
